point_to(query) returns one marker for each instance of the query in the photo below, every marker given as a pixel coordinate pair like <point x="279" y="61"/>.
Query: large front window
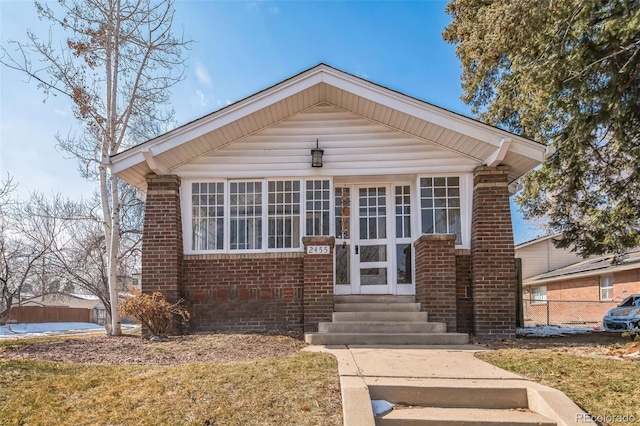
<point x="440" y="206"/>
<point x="257" y="215"/>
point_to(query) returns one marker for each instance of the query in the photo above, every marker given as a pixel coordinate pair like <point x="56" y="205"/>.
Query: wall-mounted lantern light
<point x="316" y="156"/>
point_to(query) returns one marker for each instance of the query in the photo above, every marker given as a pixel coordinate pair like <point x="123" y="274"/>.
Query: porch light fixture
<point x="316" y="156"/>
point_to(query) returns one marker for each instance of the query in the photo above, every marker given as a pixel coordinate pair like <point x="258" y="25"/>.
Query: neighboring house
<point x="562" y="288"/>
<point x="58" y="307"/>
<point x="327" y="184"/>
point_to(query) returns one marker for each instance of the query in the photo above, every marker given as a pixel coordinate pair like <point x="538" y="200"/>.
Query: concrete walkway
<point x="440" y="376"/>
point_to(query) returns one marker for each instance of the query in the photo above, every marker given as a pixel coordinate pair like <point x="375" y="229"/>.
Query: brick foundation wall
<point x="246" y="292"/>
<point x="162" y="238"/>
<point x="436" y="277"/>
<point x="318" y="283"/>
<point x="464" y="302"/>
<point x="493" y="274"/>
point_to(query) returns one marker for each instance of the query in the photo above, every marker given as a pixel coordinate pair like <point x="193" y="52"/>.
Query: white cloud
<point x="228" y="102"/>
<point x="60" y="112"/>
<point x="202" y="98"/>
<point x="203" y="75"/>
<point x="256" y="7"/>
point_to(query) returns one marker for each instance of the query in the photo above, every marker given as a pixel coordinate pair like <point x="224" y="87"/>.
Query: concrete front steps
<point x="455" y="403"/>
<point x="381" y="320"/>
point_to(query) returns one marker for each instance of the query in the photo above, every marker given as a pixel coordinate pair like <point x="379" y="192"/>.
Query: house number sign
<point x="318" y="250"/>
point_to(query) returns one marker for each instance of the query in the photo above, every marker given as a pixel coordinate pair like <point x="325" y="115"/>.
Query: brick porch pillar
<point x="162" y="238"/>
<point x="493" y="275"/>
<point x="436" y="277"/>
<point x="318" y="281"/>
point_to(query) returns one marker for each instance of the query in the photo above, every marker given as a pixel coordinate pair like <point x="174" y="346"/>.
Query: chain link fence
<point x="566" y="313"/>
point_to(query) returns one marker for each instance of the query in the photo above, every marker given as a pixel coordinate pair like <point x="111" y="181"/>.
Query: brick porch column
<point x="162" y="238"/>
<point x="436" y="277"/>
<point x="493" y="275"/>
<point x="318" y="282"/>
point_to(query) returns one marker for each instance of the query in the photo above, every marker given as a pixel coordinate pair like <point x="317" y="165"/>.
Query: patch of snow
<point x="52" y="328"/>
<point x="380" y="407"/>
<point x="551" y="331"/>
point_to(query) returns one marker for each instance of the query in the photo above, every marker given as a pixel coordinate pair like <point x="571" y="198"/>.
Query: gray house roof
<point x="591" y="267"/>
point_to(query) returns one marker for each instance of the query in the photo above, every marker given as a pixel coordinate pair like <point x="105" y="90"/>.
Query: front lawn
<point x="296" y="388"/>
<point x="603" y="381"/>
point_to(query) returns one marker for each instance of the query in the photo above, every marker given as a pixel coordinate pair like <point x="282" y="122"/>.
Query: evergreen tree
<point x="564" y="73"/>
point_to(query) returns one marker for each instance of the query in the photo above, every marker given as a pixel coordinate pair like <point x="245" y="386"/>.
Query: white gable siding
<point x="543" y="256"/>
<point x="352" y="146"/>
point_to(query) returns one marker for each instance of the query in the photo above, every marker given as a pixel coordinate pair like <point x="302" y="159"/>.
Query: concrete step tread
<point x="382" y="327"/>
<point x="489" y="395"/>
<point x="462" y="416"/>
<point x="422" y="338"/>
<point x="377" y="307"/>
<point x="380" y="316"/>
<point x="366" y="298"/>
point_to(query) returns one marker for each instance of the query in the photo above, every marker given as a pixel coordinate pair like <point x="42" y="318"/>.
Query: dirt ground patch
<point x="134" y="350"/>
<point x="596" y="344"/>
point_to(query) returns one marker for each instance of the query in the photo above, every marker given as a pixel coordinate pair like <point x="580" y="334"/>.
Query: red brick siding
<point x="578" y="300"/>
<point x="464" y="303"/>
<point x="318" y="283"/>
<point x="162" y="238"/>
<point x="436" y="277"/>
<point x="245" y="293"/>
<point x="492" y="266"/>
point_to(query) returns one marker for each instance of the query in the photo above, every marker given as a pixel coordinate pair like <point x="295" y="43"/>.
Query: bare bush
<point x="154" y="312"/>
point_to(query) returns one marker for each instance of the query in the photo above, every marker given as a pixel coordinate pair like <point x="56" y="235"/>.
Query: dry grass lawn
<point x="602" y="380"/>
<point x="296" y="388"/>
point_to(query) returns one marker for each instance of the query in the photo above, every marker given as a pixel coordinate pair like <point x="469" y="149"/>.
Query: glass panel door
<point x="372" y="241"/>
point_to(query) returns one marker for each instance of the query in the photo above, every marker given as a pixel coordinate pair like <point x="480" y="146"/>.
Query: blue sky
<point x="241" y="48"/>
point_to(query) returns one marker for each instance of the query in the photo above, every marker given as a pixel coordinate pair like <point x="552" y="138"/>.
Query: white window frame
<point x="466" y="205"/>
<point x="303" y="208"/>
<point x="606" y="285"/>
<point x="187" y="225"/>
<point x="541" y="299"/>
<point x="301" y="186"/>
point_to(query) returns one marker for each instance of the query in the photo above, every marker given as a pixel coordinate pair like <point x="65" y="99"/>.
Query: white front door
<point x="373" y="252"/>
<point x="371" y="240"/>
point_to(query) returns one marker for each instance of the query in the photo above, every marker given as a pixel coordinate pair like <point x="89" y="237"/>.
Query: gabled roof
<point x="323" y="84"/>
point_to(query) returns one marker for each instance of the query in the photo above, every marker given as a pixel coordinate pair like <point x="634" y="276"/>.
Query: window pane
<point x="440" y="206"/>
<point x="245" y="215"/>
<point x="373" y="276"/>
<point x="342" y="213"/>
<point x="403" y="260"/>
<point x="317" y="214"/>
<point x="284" y="215"/>
<point x="343" y="264"/>
<point x="207" y="221"/>
<point x="373" y="253"/>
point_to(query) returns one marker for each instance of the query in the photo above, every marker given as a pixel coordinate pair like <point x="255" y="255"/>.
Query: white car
<point x="626" y="316"/>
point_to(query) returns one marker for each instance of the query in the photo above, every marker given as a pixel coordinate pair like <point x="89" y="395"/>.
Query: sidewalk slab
<point x="367" y="371"/>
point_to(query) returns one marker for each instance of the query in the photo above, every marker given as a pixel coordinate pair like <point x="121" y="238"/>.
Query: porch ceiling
<point x="325" y="85"/>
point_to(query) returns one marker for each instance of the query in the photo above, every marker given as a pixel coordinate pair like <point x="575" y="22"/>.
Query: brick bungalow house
<point x="262" y="214"/>
<point x="559" y="284"/>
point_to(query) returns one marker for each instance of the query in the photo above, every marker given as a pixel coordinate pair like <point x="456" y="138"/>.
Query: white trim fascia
<point x="341" y="80"/>
<point x="606" y="270"/>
